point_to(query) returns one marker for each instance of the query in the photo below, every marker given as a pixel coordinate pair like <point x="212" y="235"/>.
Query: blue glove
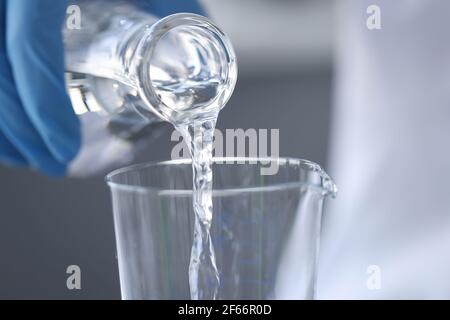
<point x="38" y="127"/>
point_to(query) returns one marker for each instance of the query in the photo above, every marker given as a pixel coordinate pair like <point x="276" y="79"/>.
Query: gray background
<point x="284" y="51"/>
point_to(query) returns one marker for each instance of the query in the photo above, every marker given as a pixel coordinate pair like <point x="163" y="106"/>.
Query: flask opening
<point x="187" y="68"/>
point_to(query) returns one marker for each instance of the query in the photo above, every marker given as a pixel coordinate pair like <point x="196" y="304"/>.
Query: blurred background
<point x="284" y="50"/>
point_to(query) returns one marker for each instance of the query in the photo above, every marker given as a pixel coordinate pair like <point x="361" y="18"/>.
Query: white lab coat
<point x="390" y="155"/>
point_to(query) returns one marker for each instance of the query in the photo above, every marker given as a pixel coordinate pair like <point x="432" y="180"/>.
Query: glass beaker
<point x="265" y="228"/>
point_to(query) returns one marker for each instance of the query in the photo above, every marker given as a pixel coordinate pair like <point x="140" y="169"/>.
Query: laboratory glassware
<point x="265" y="228"/>
<point x="139" y="69"/>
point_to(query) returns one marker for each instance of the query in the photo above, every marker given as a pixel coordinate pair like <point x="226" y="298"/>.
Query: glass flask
<point x="140" y="70"/>
<point x="265" y="228"/>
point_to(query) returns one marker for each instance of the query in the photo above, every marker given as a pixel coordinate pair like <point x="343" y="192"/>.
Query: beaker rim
<point x="323" y="182"/>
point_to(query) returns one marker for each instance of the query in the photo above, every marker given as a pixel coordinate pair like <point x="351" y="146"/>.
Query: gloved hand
<point x="38" y="127"/>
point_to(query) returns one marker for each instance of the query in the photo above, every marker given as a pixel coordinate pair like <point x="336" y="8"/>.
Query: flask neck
<point x="183" y="67"/>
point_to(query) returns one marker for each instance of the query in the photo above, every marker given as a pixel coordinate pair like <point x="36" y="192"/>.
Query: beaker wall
<point x="265" y="229"/>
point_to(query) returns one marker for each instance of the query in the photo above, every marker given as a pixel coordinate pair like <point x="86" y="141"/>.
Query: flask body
<point x="140" y="70"/>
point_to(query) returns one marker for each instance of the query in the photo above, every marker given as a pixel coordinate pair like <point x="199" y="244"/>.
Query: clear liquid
<point x="192" y="94"/>
<point x="194" y="98"/>
<point x="204" y="278"/>
<point x="192" y="73"/>
<point x="193" y="88"/>
<point x="198" y="133"/>
<point x="189" y="75"/>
